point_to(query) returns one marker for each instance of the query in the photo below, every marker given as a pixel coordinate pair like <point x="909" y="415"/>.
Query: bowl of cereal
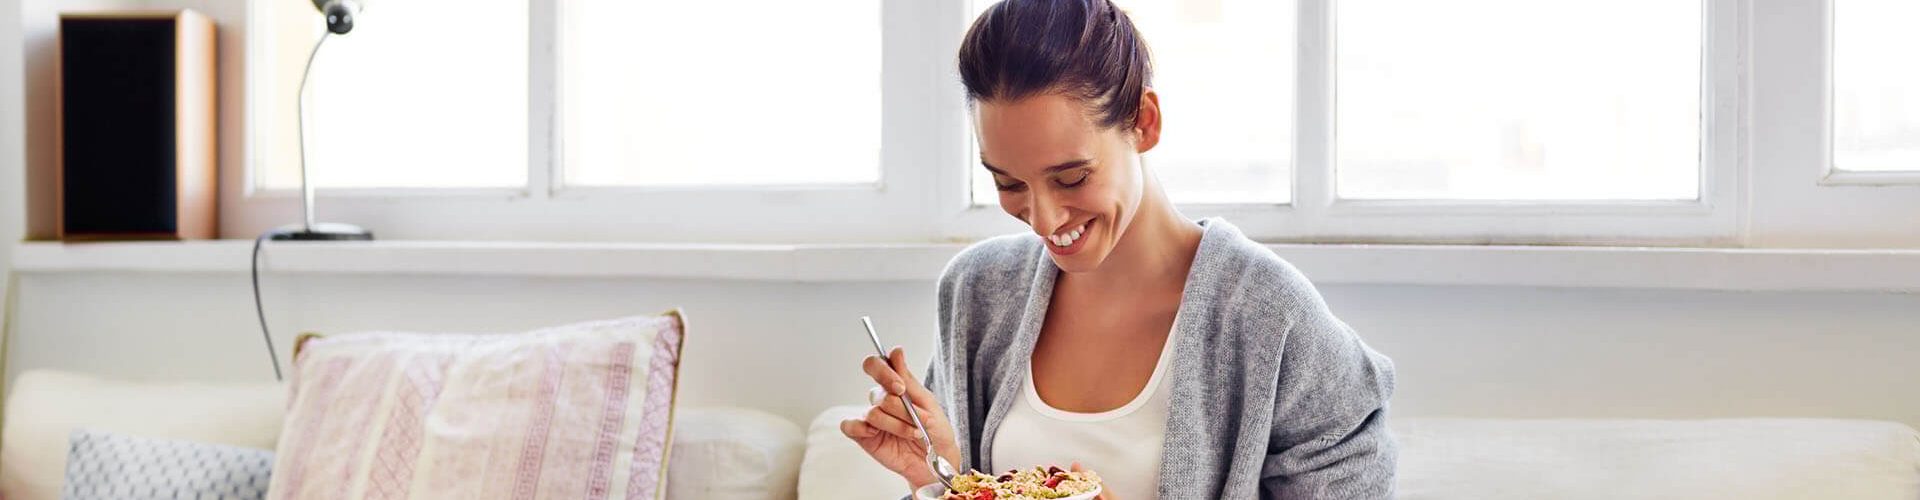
<point x="1033" y="483"/>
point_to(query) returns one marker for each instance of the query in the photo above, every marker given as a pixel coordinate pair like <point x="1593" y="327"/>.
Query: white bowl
<point x="933" y="492"/>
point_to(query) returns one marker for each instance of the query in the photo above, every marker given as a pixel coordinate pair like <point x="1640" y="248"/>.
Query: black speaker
<point x="137" y="150"/>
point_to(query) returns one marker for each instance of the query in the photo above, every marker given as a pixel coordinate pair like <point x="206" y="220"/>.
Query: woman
<point x="1175" y="358"/>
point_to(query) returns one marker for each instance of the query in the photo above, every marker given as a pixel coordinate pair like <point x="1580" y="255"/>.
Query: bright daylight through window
<point x="1518" y="100"/>
<point x="422" y="94"/>
<point x="1876" y="88"/>
<point x="761" y="92"/>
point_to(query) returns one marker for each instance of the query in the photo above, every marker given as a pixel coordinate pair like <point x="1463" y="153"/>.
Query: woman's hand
<point x="1105" y="494"/>
<point x="887" y="433"/>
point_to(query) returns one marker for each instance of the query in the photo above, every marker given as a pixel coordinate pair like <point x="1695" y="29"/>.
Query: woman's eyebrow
<point x="1069" y="165"/>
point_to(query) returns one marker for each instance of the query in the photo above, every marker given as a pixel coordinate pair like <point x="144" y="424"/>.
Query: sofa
<point x="743" y="453"/>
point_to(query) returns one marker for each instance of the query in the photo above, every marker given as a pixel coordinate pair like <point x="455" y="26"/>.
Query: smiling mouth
<point x="1067" y="239"/>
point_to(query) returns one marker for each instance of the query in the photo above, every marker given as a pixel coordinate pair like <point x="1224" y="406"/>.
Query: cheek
<point x="1122" y="191"/>
<point x="1013" y="204"/>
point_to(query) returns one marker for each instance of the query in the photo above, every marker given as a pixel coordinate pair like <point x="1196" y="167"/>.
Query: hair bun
<point x="1085" y="49"/>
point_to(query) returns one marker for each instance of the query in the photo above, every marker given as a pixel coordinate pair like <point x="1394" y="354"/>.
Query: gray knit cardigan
<point x="1273" y="397"/>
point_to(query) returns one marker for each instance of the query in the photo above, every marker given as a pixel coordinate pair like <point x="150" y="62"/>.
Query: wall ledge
<point x="1344" y="264"/>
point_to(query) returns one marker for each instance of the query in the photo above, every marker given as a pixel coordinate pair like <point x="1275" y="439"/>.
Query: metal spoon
<point x="941" y="469"/>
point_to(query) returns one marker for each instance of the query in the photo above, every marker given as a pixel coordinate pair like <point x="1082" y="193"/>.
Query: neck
<point x="1156" y="251"/>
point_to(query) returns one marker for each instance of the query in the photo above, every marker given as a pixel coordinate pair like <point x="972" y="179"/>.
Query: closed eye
<point x="1075" y="178"/>
<point x="1005" y="184"/>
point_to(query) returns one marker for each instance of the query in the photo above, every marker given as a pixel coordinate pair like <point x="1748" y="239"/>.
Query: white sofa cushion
<point x="45" y="407"/>
<point x="1749" y="459"/>
<point x="837" y="469"/>
<point x="734" y="454"/>
<point x="109" y="466"/>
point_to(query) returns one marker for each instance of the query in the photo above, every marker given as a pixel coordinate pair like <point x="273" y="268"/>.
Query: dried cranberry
<point x="1055" y="481"/>
<point x="1051" y="470"/>
<point x="1005" y="477"/>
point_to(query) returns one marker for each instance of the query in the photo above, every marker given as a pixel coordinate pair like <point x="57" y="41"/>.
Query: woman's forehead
<point x="1031" y="134"/>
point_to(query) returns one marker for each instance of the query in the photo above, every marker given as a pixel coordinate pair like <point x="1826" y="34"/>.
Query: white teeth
<point x="1068" y="238"/>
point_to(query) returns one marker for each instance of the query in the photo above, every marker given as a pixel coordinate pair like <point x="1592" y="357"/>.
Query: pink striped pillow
<point x="577" y="411"/>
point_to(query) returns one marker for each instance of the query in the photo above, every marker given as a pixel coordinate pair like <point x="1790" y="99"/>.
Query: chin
<point x="1079" y="263"/>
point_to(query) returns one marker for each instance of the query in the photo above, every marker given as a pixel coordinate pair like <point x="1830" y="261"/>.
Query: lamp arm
<point x="300" y="109"/>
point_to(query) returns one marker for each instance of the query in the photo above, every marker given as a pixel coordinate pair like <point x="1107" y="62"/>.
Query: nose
<point x="1047" y="213"/>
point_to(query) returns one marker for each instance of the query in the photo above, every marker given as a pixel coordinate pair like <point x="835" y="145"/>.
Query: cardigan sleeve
<point x="1330" y="437"/>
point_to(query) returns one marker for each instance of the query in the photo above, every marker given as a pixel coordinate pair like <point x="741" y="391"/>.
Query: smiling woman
<point x="1118" y="333"/>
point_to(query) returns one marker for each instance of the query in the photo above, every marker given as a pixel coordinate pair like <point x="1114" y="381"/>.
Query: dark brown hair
<point x="1083" y="49"/>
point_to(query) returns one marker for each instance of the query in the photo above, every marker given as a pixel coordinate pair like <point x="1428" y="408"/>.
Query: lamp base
<point x="323" y="231"/>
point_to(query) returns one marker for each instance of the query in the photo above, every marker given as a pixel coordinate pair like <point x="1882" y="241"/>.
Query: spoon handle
<point x="925" y="437"/>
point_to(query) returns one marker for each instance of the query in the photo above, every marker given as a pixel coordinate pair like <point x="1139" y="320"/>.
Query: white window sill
<point x="1603" y="267"/>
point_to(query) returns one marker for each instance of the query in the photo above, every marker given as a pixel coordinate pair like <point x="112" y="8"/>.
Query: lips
<point x="1069" y="241"/>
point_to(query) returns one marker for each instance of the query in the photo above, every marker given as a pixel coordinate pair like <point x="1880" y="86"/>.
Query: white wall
<point x="28" y="31"/>
<point x="12" y="190"/>
<point x="791" y="348"/>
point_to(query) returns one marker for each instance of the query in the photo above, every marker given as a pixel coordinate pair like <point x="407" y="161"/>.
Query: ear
<point x="1146" y="123"/>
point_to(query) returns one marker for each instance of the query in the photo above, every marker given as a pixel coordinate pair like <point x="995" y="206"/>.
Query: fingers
<point x="897" y="378"/>
<point x="922" y="398"/>
<point x="898" y="358"/>
<point x="890" y="424"/>
<point x="857" y="429"/>
<point x="893" y="407"/>
<point x="883" y="375"/>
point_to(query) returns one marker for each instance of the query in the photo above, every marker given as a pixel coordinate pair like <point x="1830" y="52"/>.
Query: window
<point x="421" y="94"/>
<point x="1225" y="73"/>
<point x="1442" y="100"/>
<point x="1485" y="121"/>
<point x="665" y="94"/>
<point x="1876" y="91"/>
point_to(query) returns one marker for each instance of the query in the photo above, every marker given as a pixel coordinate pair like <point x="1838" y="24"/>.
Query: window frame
<point x="927" y="161"/>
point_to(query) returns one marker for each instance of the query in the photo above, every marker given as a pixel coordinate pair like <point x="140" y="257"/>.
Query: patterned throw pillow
<point x="104" y="465"/>
<point x="577" y="411"/>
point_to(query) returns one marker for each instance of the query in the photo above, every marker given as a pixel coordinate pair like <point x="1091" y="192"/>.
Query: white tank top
<point x="1123" y="445"/>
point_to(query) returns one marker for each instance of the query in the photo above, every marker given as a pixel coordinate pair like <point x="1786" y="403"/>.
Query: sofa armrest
<point x="45" y="407"/>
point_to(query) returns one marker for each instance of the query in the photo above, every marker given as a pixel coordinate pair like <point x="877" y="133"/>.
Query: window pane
<point x="1876" y="98"/>
<point x="422" y="93"/>
<point x="756" y="92"/>
<point x="1224" y="70"/>
<point x="1518" y="99"/>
